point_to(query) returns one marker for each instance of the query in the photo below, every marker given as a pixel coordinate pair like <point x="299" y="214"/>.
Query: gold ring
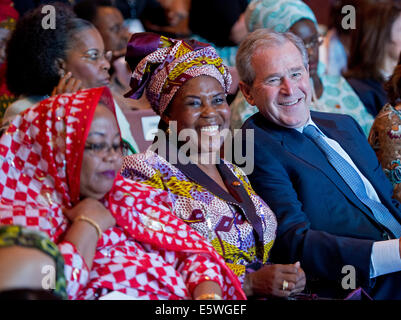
<point x="285" y="285"/>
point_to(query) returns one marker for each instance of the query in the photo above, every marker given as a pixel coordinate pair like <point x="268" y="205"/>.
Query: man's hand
<point x="269" y="280"/>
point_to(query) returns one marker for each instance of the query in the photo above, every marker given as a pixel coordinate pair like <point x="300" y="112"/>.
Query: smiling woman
<point x="186" y="83"/>
<point x="114" y="234"/>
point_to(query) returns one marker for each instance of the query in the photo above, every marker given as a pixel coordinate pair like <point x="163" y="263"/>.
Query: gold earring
<point x="168" y="131"/>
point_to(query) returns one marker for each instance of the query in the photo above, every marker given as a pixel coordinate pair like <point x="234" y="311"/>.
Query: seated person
<point x="375" y="47"/>
<point x="329" y="93"/>
<point x="110" y="23"/>
<point x="186" y="84"/>
<point x="24" y="255"/>
<point x="320" y="176"/>
<point x="42" y="62"/>
<point x="385" y="134"/>
<point x="114" y="234"/>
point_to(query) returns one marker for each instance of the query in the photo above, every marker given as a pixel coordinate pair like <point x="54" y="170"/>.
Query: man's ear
<point x="246" y="91"/>
<point x="61" y="67"/>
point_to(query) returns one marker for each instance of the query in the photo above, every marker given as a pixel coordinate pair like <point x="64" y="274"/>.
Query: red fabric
<point x="149" y="253"/>
<point x="7" y="13"/>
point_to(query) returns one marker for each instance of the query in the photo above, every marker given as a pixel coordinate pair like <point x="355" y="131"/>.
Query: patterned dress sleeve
<point x="75" y="269"/>
<point x="194" y="268"/>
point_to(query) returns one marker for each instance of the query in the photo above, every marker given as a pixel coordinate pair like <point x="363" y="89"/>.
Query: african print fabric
<point x="162" y="65"/>
<point x="221" y="222"/>
<point x="385" y="139"/>
<point x="149" y="254"/>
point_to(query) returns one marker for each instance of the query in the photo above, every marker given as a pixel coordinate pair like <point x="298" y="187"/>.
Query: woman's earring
<point x="168" y="131"/>
<point x="61" y="73"/>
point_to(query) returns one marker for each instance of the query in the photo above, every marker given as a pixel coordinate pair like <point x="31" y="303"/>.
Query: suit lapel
<point x="303" y="148"/>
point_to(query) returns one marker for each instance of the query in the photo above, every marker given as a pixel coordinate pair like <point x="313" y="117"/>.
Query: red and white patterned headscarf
<point x="41" y="152"/>
<point x="40" y="163"/>
<point x="162" y="65"/>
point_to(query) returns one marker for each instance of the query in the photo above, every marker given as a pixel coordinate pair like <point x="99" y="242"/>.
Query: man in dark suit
<point x="319" y="175"/>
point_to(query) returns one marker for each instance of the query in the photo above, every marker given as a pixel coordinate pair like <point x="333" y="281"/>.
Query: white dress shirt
<point x="385" y="257"/>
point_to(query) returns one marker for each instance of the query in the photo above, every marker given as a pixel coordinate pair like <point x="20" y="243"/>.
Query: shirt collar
<point x="309" y="122"/>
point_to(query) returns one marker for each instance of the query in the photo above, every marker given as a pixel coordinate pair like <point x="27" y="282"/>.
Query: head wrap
<point x="40" y="162"/>
<point x="41" y="151"/>
<point x="279" y="15"/>
<point x="162" y="65"/>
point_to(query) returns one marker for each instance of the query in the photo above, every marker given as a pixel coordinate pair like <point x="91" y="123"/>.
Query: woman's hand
<point x="81" y="233"/>
<point x="94" y="210"/>
<point x="207" y="290"/>
<point x="67" y="84"/>
<point x="270" y="278"/>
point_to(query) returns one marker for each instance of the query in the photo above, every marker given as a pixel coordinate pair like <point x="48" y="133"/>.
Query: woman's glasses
<point x="102" y="149"/>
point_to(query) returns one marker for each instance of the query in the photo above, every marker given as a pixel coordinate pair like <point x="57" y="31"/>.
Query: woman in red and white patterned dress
<point x="59" y="164"/>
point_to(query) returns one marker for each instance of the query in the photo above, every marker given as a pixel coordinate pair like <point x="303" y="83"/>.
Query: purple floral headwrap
<point x="162" y="65"/>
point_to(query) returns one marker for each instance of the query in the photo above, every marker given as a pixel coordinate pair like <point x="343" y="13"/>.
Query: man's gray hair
<point x="264" y="38"/>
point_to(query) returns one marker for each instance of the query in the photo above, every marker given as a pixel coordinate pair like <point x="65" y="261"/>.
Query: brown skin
<point x="110" y="23"/>
<point x="306" y="30"/>
<point x="24" y="269"/>
<point x="201" y="102"/>
<point x="86" y="64"/>
<point x="269" y="280"/>
<point x="94" y="185"/>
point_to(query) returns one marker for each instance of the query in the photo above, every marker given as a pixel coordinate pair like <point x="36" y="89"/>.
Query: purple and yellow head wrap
<point x="162" y="65"/>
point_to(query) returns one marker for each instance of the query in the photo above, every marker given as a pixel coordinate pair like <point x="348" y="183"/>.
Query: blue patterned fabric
<point x="353" y="180"/>
<point x="278" y="15"/>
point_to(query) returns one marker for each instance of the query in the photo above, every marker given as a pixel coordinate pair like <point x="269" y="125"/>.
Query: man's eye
<point x="273" y="81"/>
<point x="296" y="74"/>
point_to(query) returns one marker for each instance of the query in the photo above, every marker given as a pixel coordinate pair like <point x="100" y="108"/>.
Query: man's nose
<point x="287" y="86"/>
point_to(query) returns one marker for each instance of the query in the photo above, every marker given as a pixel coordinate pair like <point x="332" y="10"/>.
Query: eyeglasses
<point x="315" y="42"/>
<point x="95" y="55"/>
<point x="102" y="149"/>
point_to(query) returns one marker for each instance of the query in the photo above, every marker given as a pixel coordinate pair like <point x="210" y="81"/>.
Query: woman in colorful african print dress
<point x="59" y="175"/>
<point x="186" y="84"/>
<point x="385" y="136"/>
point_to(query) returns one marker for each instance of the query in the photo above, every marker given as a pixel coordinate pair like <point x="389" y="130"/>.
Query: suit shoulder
<point x="336" y="117"/>
<point x="253" y="121"/>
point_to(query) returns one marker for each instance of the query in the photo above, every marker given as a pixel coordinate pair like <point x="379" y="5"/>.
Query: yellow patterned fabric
<point x="222" y="223"/>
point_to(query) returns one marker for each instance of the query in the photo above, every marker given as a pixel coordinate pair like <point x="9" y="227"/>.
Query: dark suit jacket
<point x="320" y="221"/>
